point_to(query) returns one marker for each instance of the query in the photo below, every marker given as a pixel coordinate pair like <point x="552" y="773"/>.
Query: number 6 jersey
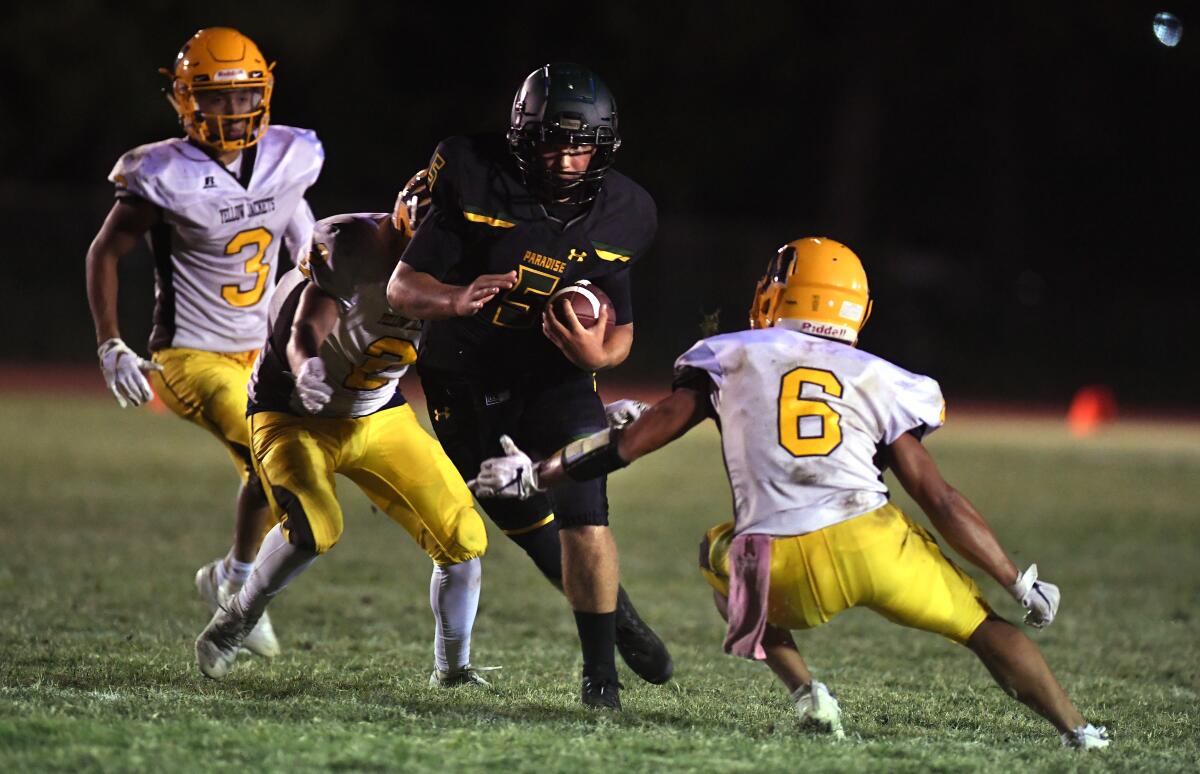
<point x="802" y="420"/>
<point x="217" y="243"/>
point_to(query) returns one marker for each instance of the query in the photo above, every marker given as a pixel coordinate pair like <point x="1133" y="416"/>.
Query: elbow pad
<point x="592" y="456"/>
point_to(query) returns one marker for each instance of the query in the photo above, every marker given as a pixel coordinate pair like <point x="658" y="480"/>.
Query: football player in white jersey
<point x="324" y="400"/>
<point x="814" y="531"/>
<point x="215" y="206"/>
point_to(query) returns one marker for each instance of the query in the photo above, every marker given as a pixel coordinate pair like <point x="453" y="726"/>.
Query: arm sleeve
<point x="917" y="407"/>
<point x="438" y="243"/>
<point x="130" y="180"/>
<point x="299" y="232"/>
<point x="619" y="284"/>
<point x="618" y="287"/>
<point x="317" y="159"/>
<point x="699" y="369"/>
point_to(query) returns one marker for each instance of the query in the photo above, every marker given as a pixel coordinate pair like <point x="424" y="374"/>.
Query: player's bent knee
<point x="467" y="541"/>
<point x="299" y="527"/>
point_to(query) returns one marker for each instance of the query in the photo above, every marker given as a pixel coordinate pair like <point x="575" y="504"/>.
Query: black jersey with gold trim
<point x="484" y="220"/>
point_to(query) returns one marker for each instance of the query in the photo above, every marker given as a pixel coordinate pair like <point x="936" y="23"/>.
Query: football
<point x="586" y="299"/>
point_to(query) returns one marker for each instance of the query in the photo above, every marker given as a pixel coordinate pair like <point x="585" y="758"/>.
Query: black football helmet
<point x="563" y="104"/>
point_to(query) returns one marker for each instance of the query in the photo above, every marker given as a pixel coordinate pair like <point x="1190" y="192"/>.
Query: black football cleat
<point x="600" y="693"/>
<point x="642" y="649"/>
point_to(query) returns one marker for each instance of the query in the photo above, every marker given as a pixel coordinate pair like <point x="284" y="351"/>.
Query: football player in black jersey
<point x="514" y="218"/>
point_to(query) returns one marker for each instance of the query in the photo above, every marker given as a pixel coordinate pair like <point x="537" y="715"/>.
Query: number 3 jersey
<point x="802" y="420"/>
<point x="217" y="243"/>
<point x="370" y="346"/>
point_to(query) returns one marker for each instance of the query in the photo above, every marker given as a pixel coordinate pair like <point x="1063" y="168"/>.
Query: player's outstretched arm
<point x="419" y="295"/>
<point x="660" y="424"/>
<point x="951" y="513"/>
<point x="967" y="532"/>
<point x="516" y="476"/>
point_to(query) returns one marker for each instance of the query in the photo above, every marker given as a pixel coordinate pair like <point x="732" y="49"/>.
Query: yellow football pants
<point x="209" y="390"/>
<point x="400" y="468"/>
<point x="880" y="560"/>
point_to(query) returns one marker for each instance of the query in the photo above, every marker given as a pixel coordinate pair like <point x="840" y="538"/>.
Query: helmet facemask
<point x="216" y="129"/>
<point x="770" y="288"/>
<point x="552" y="184"/>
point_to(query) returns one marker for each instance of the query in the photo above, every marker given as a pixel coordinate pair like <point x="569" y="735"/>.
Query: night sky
<point x="1016" y="178"/>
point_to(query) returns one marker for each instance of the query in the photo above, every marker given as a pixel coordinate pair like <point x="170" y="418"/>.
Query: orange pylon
<point x="1091" y="407"/>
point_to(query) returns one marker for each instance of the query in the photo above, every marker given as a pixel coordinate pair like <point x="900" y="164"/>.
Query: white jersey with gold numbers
<point x="802" y="419"/>
<point x="370" y="346"/>
<point x="217" y="245"/>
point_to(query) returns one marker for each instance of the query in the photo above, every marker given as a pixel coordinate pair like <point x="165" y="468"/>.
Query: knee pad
<point x="467" y="542"/>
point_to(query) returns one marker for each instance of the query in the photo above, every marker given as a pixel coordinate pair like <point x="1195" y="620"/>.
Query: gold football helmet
<point x="214" y="59"/>
<point x="412" y="204"/>
<point x="814" y="285"/>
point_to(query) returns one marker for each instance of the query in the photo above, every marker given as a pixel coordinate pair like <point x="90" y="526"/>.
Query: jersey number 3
<point x="800" y="419"/>
<point x="259" y="238"/>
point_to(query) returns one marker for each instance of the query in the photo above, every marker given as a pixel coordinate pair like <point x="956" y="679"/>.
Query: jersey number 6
<point x="261" y="239"/>
<point x="800" y="418"/>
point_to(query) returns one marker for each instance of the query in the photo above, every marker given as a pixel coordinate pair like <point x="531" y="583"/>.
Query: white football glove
<point x="123" y="373"/>
<point x="1038" y="597"/>
<point x="512" y="476"/>
<point x="311" y="387"/>
<point x="624" y="412"/>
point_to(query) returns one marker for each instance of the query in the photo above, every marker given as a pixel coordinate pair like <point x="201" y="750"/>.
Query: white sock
<point x="236" y="572"/>
<point x="221" y="572"/>
<point x="278" y="564"/>
<point x="454" y="597"/>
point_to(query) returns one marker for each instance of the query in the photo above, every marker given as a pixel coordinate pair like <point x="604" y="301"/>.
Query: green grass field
<point x="105" y="515"/>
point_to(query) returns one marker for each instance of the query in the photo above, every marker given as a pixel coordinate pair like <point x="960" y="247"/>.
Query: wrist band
<point x="592" y="456"/>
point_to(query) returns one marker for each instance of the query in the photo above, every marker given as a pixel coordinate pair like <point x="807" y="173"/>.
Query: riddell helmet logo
<point x="826" y="329"/>
<point x="237" y="74"/>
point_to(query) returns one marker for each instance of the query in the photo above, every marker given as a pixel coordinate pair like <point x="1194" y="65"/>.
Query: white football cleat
<point x="261" y="641"/>
<point x="1087" y="737"/>
<point x="218" y="645"/>
<point x="818" y="709"/>
<point x="206" y="585"/>
<point x="453" y="678"/>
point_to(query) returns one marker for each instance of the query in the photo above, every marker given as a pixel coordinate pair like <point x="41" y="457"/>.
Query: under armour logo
<point x="575" y="255"/>
<point x="210" y="182"/>
<point x="496" y="398"/>
<point x="441" y="414"/>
